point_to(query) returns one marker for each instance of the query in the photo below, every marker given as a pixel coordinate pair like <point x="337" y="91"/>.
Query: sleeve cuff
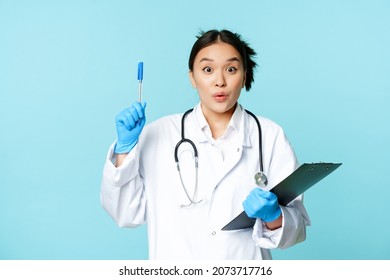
<point x="266" y="238"/>
<point x="118" y="176"/>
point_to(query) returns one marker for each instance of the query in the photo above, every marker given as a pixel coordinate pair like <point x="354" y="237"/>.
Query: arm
<point x="289" y="228"/>
<point x="275" y="224"/>
<point x="120" y="158"/>
<point x="122" y="192"/>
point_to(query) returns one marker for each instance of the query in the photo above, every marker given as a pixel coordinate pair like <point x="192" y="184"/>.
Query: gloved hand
<point x="129" y="124"/>
<point x="263" y="205"/>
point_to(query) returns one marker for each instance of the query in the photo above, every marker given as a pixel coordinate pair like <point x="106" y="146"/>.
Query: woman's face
<point x="218" y="74"/>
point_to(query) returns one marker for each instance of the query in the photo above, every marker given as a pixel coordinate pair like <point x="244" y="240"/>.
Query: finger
<point x="140" y="122"/>
<point x="140" y="108"/>
<point x="267" y="195"/>
<point x="251" y="208"/>
<point x="129" y="119"/>
<point x="122" y="119"/>
<point x="134" y="114"/>
<point x="143" y="121"/>
<point x="255" y="201"/>
<point x="257" y="193"/>
<point x="121" y="115"/>
<point x="248" y="208"/>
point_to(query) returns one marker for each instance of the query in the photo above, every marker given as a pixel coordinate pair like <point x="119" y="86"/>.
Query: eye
<point x="207" y="69"/>
<point x="232" y="69"/>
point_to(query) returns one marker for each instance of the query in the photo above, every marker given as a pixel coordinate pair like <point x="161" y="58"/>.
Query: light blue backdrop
<point x="67" y="67"/>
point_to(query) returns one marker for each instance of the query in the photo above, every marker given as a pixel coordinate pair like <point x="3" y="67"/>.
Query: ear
<point x="192" y="79"/>
<point x="244" y="81"/>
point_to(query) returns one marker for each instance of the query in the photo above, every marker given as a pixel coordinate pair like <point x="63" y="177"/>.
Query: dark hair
<point x="210" y="37"/>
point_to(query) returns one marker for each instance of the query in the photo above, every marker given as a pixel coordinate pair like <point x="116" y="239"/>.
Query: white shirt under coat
<point x="146" y="188"/>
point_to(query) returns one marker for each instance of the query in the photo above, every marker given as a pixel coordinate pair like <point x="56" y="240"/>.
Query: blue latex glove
<point x="263" y="205"/>
<point x="129" y="124"/>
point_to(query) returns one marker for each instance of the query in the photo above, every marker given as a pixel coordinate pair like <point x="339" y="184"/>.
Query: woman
<point x="186" y="210"/>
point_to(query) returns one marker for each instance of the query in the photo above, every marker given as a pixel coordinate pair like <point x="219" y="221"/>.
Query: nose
<point x="220" y="80"/>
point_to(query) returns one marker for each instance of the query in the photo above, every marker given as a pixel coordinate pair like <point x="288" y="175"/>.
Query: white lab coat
<point x="146" y="188"/>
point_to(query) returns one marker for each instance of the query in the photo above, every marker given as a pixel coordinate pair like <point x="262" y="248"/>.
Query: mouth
<point x="220" y="96"/>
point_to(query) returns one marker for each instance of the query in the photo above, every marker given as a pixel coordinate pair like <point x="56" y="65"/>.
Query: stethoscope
<point x="260" y="178"/>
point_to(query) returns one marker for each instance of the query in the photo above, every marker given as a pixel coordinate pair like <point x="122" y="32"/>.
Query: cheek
<point x="238" y="83"/>
<point x="202" y="82"/>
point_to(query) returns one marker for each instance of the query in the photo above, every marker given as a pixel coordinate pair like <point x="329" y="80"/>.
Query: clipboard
<point x="303" y="178"/>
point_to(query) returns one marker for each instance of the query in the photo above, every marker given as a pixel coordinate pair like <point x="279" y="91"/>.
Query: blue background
<point x="67" y="68"/>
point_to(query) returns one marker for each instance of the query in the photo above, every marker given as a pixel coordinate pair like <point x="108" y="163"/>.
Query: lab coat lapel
<point x="243" y="141"/>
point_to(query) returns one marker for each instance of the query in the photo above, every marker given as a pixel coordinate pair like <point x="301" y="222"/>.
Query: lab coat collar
<point x="238" y="122"/>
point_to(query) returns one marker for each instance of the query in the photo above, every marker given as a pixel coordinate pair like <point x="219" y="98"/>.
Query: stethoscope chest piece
<point x="260" y="179"/>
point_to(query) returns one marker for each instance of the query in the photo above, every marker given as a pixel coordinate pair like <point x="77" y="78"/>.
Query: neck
<point x="218" y="122"/>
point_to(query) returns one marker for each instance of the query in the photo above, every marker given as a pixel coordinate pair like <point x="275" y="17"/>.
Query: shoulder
<point x="163" y="127"/>
<point x="267" y="125"/>
<point x="165" y="122"/>
<point x="163" y="130"/>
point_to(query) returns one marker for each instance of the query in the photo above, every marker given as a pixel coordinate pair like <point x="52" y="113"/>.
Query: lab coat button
<point x="213" y="233"/>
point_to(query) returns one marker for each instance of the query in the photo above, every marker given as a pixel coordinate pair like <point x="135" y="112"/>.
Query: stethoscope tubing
<point x="260" y="139"/>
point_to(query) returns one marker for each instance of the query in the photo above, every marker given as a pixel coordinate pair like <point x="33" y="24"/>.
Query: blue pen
<point x="140" y="78"/>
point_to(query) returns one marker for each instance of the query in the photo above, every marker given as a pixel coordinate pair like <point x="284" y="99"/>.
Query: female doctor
<point x="186" y="192"/>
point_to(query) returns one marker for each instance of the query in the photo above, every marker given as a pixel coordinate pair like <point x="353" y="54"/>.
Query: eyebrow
<point x="230" y="59"/>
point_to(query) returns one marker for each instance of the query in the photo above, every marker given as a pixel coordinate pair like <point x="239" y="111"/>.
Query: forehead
<point x="218" y="52"/>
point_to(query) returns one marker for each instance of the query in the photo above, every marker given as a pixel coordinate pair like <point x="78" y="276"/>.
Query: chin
<point x="222" y="108"/>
